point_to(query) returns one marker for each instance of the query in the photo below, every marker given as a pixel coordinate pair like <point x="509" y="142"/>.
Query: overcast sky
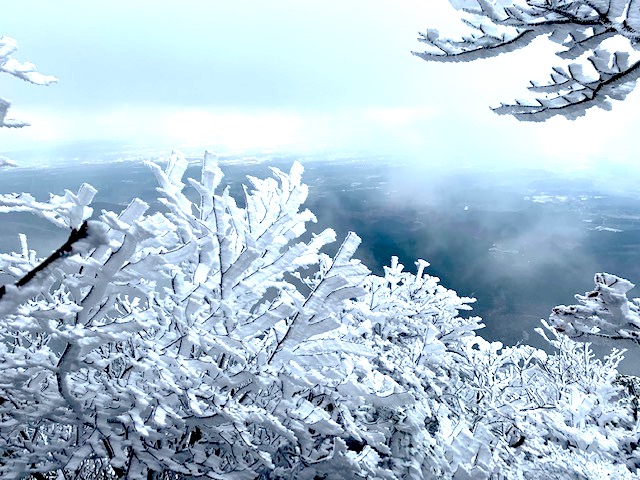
<point x="285" y="74"/>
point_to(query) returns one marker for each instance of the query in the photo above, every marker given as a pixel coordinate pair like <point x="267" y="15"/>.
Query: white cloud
<point x="440" y="134"/>
<point x="236" y="130"/>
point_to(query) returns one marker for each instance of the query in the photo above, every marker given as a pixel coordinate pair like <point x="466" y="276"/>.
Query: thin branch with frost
<point x="65" y="249"/>
<point x="26" y="71"/>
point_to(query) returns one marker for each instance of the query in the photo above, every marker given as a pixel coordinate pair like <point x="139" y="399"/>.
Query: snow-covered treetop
<point x="24" y="70"/>
<point x="598" y="39"/>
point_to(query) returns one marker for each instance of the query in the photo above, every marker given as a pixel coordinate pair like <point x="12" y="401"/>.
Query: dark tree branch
<point x="64" y="250"/>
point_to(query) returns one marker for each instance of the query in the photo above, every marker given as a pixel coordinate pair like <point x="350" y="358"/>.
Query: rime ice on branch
<point x="604" y="313"/>
<point x="24" y="70"/>
<point x="595" y="68"/>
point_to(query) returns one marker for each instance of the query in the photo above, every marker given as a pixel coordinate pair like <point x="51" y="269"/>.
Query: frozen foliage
<point x="603" y="314"/>
<point x="596" y="69"/>
<point x="215" y="339"/>
<point x="23" y="70"/>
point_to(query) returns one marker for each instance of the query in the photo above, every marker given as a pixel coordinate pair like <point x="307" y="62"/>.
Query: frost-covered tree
<point x="214" y="339"/>
<point x="23" y="70"/>
<point x="483" y="410"/>
<point x="598" y="41"/>
<point x="190" y="341"/>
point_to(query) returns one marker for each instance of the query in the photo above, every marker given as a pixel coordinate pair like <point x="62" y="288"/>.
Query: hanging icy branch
<point x="580" y="28"/>
<point x="9" y="122"/>
<point x="603" y="314"/>
<point x="23" y="70"/>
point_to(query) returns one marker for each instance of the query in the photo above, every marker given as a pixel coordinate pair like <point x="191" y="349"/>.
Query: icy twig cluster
<point x="604" y="314"/>
<point x="23" y="70"/>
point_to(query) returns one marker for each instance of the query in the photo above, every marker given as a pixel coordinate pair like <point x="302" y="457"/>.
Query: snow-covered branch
<point x="215" y="339"/>
<point x="603" y="314"/>
<point x="582" y="29"/>
<point x="23" y="70"/>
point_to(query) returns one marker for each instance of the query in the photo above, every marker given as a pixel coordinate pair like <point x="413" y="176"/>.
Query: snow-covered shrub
<point x="413" y="323"/>
<point x="209" y="340"/>
<point x="183" y="342"/>
<point x="489" y="411"/>
<point x="571" y="417"/>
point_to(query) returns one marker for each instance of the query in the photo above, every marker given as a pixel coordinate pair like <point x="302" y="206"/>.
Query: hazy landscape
<point x="519" y="241"/>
